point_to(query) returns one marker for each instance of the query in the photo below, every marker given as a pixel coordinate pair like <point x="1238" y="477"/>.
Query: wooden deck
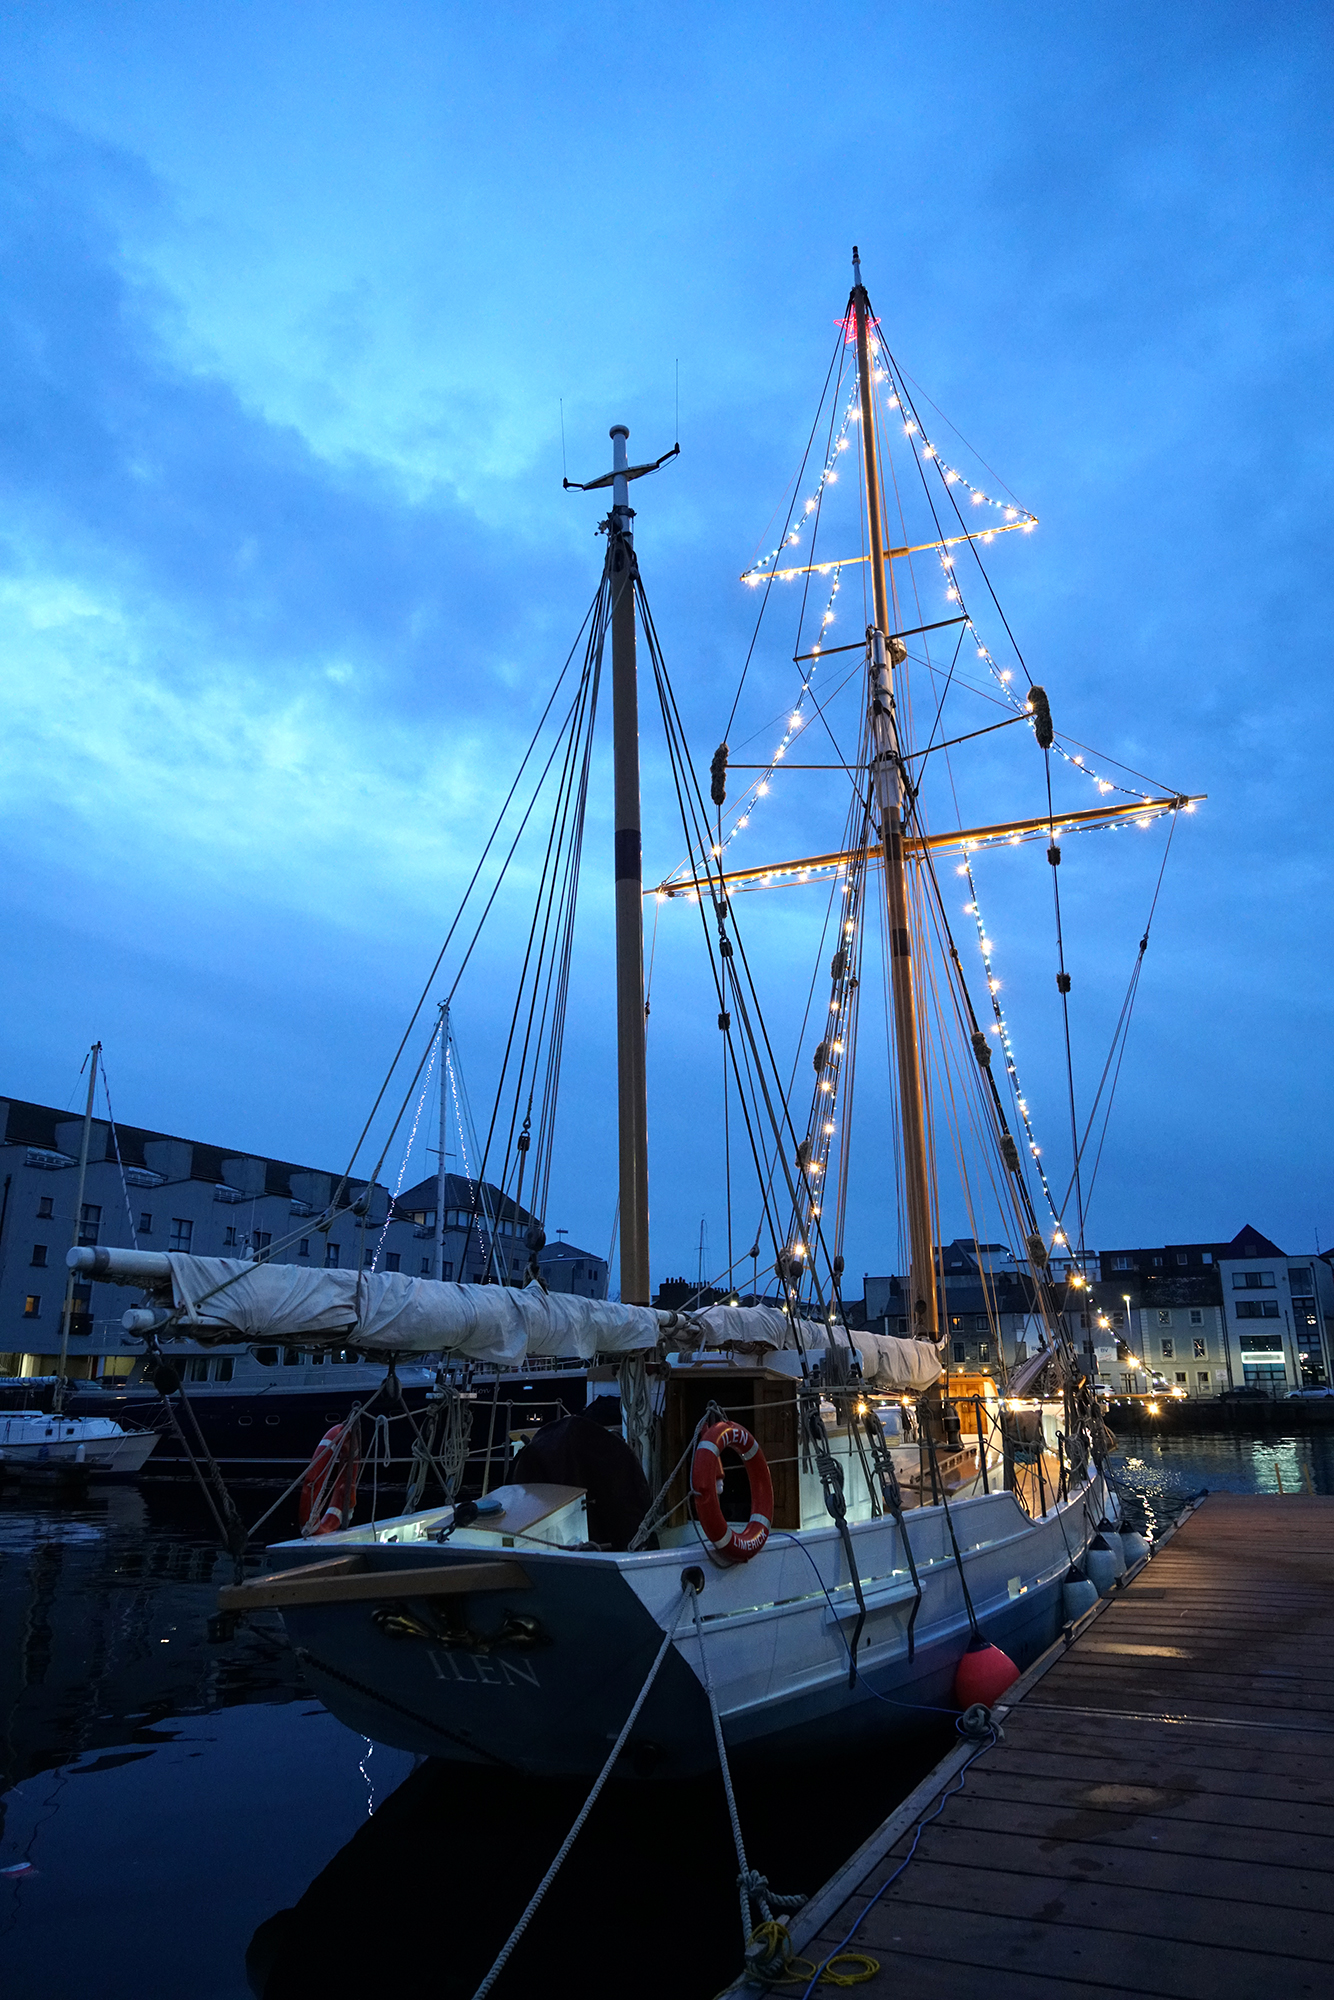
<point x="1159" y="1817"/>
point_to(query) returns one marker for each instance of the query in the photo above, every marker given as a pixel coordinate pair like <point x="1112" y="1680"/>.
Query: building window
<point x="261" y="1239"/>
<point x="447" y="1270"/>
<point x="1203" y="1378"/>
<point x="1167" y="1350"/>
<point x="393" y="1261"/>
<point x="1181" y="1376"/>
<point x="983" y="1351"/>
<point x="1197" y="1316"/>
<point x="1257" y="1308"/>
<point x="1164" y="1318"/>
<point x="426" y="1267"/>
<point x="1206" y="1256"/>
<point x="90" y="1219"/>
<point x="1300" y="1281"/>
<point x="1252" y="1281"/>
<point x="182" y="1231"/>
<point x="145" y="1222"/>
<point x="44" y="1209"/>
<point x="1263" y="1343"/>
<point x="32" y="1306"/>
<point x="303" y="1247"/>
<point x="330" y="1256"/>
<point x="1182" y="1258"/>
<point x="960" y="1351"/>
<point x="229" y="1238"/>
<point x="1157" y="1263"/>
<point x="1201" y="1351"/>
<point x="38" y="1254"/>
<point x="1123" y="1264"/>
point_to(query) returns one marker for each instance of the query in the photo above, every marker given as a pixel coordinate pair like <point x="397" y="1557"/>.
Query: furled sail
<point x="384" y="1312"/>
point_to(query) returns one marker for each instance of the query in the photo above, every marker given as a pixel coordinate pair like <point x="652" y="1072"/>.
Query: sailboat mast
<point x="632" y="1076"/>
<point x="76" y="1231"/>
<point x="440" y="1165"/>
<point x="886" y="771"/>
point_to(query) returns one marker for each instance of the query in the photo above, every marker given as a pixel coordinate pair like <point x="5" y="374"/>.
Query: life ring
<point x="337" y="1488"/>
<point x="706" y="1485"/>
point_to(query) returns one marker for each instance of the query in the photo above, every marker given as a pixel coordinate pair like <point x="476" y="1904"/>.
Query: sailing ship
<point x="838" y="1525"/>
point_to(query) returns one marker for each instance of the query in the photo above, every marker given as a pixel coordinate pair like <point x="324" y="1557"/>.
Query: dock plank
<point x="1158" y="1816"/>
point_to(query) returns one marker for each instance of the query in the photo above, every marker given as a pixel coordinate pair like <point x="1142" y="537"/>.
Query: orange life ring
<point x="337" y="1489"/>
<point x="706" y="1485"/>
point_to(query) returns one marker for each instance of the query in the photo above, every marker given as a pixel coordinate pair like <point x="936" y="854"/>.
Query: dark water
<point x="1163" y="1471"/>
<point x="180" y="1808"/>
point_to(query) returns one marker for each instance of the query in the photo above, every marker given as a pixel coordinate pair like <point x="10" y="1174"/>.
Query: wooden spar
<point x="781" y="874"/>
<point x="632" y="1074"/>
<point x="827" y="563"/>
<point x="345" y="1580"/>
<point x="887" y="776"/>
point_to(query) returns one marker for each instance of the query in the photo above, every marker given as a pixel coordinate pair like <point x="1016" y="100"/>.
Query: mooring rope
<point x="535" y="1899"/>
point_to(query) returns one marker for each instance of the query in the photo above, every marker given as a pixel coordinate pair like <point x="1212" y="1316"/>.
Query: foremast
<point x="883" y="654"/>
<point x="631" y="1062"/>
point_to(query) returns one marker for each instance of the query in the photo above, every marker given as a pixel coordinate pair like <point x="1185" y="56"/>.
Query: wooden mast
<point x="887" y="776"/>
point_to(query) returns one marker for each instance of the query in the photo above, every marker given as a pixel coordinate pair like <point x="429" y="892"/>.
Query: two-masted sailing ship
<point x="830" y="1523"/>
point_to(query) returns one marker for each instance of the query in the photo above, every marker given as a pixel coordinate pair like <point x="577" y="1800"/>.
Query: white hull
<point x="777" y="1631"/>
<point x="93" y="1447"/>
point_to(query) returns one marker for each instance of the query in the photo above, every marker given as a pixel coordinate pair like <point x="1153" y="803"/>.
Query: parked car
<point x="1245" y="1396"/>
<point x="1311" y="1395"/>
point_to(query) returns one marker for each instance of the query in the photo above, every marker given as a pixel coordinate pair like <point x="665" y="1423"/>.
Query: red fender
<point x="337" y="1447"/>
<point x="706" y="1485"/>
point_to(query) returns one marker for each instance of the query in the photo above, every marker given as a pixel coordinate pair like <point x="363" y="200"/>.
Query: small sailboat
<point x="846" y="1535"/>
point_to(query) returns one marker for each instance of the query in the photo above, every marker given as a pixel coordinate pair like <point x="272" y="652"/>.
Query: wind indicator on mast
<point x="622" y="577"/>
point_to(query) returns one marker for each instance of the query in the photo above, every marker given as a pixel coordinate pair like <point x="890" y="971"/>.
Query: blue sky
<point x="292" y="297"/>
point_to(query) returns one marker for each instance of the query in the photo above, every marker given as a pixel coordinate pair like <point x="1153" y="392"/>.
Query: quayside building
<point x="154" y="1191"/>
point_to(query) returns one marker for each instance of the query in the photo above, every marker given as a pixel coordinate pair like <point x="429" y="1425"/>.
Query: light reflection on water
<point x="1163" y="1470"/>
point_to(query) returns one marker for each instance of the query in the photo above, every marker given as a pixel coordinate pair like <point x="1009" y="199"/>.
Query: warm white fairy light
<point x="1001" y="1028"/>
<point x="810" y="506"/>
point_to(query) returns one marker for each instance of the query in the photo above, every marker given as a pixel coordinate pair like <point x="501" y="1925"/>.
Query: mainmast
<point x="440" y="1179"/>
<point x="885" y="652"/>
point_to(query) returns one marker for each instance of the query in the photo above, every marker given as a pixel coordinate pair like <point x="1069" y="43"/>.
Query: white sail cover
<point x="887" y="1361"/>
<point x="394" y="1314"/>
<point x="229" y="1299"/>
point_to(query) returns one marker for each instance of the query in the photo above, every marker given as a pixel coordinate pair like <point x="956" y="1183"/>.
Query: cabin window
<point x="225" y="1368"/>
<point x="267" y="1357"/>
<point x="182" y="1231"/>
<point x="44" y="1209"/>
<point x="38" y="1254"/>
<point x="330" y="1256"/>
<point x="292" y="1358"/>
<point x="32" y="1305"/>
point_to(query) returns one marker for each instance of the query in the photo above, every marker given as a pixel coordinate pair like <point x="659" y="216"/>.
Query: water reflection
<point x="186" y="1820"/>
<point x="1163" y="1469"/>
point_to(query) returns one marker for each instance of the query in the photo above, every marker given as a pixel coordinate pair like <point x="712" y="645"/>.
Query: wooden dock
<point x="1159" y="1816"/>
